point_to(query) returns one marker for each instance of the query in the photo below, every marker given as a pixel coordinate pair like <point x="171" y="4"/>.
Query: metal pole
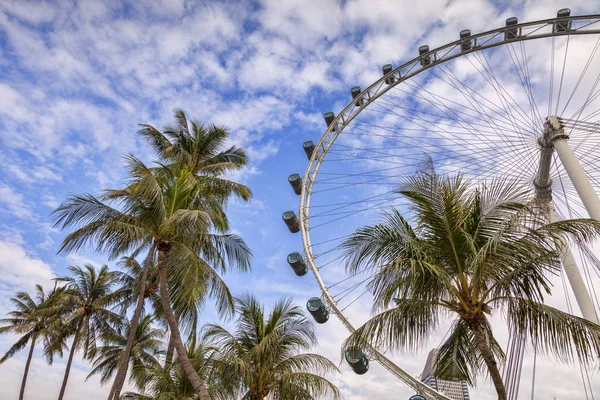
<point x="584" y="300"/>
<point x="577" y="175"/>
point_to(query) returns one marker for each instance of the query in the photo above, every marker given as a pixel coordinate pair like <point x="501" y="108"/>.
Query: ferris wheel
<point x="521" y="101"/>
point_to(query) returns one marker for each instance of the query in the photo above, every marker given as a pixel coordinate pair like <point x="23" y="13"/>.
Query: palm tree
<point x="27" y="320"/>
<point x="146" y="346"/>
<point x="162" y="212"/>
<point x="263" y="356"/>
<point x="467" y="253"/>
<point x="90" y="297"/>
<point x="170" y="383"/>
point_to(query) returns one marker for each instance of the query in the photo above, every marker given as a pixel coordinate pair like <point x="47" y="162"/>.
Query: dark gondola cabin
<point x="291" y="221"/>
<point x="511" y="33"/>
<point x="297" y="263"/>
<point x="467" y="42"/>
<point x="296" y="182"/>
<point x="329" y="117"/>
<point x="425" y="59"/>
<point x="563" y="26"/>
<point x="387" y="72"/>
<point x="355" y="92"/>
<point x="309" y="148"/>
<point x="357" y="360"/>
<point x="317" y="309"/>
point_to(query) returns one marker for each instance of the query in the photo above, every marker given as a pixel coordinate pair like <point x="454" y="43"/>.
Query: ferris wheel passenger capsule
<point x="425" y="59"/>
<point x="317" y="309"/>
<point x="387" y="70"/>
<point x="296" y="182"/>
<point x="297" y="263"/>
<point x="291" y="221"/>
<point x="357" y="360"/>
<point x="467" y="43"/>
<point x="512" y="33"/>
<point x="355" y="92"/>
<point x="309" y="148"/>
<point x="563" y="26"/>
<point x="329" y="117"/>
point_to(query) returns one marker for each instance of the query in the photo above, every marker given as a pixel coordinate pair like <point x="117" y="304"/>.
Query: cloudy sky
<point x="77" y="77"/>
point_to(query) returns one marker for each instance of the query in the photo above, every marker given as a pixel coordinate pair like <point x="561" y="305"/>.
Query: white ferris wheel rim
<point x="440" y="55"/>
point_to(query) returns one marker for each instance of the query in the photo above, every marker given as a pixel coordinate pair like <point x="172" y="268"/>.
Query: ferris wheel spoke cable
<point x="503" y="95"/>
<point x="586" y="382"/>
<point x="356" y="299"/>
<point x="436" y="101"/>
<point x="562" y="76"/>
<point x="592" y="95"/>
<point x="506" y="104"/>
<point x="588" y="277"/>
<point x="535" y="113"/>
<point x="479" y="103"/>
<point x="376" y="206"/>
<point x="497" y="129"/>
<point x="458" y="142"/>
<point x="523" y="74"/>
<point x="593" y="259"/>
<point x="526" y="62"/>
<point x="438" y="124"/>
<point x="551" y="86"/>
<point x="364" y="199"/>
<point x="345" y="279"/>
<point x="419" y="139"/>
<point x="455" y="118"/>
<point x="582" y="75"/>
<point x="475" y="98"/>
<point x="349" y="290"/>
<point x="339" y="218"/>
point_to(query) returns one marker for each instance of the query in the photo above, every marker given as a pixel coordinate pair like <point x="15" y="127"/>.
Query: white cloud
<point x="81" y="260"/>
<point x="21" y="271"/>
<point x="15" y="202"/>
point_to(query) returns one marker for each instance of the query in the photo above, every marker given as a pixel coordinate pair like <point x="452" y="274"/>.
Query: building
<point x="456" y="390"/>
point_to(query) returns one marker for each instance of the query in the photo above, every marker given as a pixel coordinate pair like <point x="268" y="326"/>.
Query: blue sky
<point x="77" y="77"/>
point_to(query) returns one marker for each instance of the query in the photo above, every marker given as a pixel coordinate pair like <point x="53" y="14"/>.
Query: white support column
<point x="577" y="175"/>
<point x="584" y="300"/>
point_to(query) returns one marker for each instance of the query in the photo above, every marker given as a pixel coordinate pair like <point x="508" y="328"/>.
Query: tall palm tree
<point x="90" y="297"/>
<point x="263" y="357"/>
<point x="145" y="349"/>
<point x="163" y="213"/>
<point x="27" y="320"/>
<point x="170" y="383"/>
<point x="466" y="254"/>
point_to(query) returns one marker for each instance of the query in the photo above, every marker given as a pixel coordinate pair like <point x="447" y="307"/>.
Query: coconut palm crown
<point x="146" y="346"/>
<point x="170" y="382"/>
<point x="29" y="322"/>
<point x="90" y="296"/>
<point x="467" y="254"/>
<point x="263" y="357"/>
<point x="200" y="149"/>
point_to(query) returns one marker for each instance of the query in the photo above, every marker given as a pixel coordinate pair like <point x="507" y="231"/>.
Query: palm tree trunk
<point x="182" y="355"/>
<point x="68" y="369"/>
<point x="22" y="392"/>
<point x="119" y="381"/>
<point x="170" y="349"/>
<point x="488" y="357"/>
